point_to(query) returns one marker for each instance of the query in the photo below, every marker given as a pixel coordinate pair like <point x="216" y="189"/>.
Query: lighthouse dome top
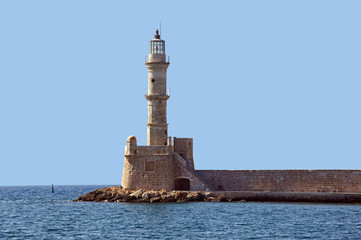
<point x="157" y="35"/>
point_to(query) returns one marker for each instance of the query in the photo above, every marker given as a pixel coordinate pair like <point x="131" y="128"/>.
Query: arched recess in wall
<point x="182" y="184"/>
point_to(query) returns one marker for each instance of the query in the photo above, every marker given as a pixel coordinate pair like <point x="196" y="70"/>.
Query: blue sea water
<point x="36" y="213"/>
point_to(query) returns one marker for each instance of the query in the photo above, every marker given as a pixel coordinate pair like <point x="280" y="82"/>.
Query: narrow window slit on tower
<point x="153" y="80"/>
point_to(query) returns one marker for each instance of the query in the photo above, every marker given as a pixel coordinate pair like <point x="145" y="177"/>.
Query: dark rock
<point x="101" y="197"/>
<point x="210" y="199"/>
<point x="180" y="195"/>
<point x="168" y="198"/>
<point x="222" y="199"/>
<point x="155" y="199"/>
<point x="195" y="197"/>
<point x="137" y="194"/>
<point x="182" y="200"/>
<point x="88" y="197"/>
<point x="147" y="196"/>
<point x="163" y="192"/>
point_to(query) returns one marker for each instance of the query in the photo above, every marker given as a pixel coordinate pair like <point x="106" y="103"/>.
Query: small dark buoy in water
<point x="52" y="188"/>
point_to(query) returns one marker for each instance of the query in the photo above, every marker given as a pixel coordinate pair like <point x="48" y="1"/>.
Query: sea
<point x="34" y="212"/>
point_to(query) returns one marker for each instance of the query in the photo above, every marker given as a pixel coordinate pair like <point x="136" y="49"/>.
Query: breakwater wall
<point x="310" y="181"/>
<point x="288" y="197"/>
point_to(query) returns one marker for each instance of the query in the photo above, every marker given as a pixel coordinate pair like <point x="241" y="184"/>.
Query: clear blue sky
<point x="256" y="84"/>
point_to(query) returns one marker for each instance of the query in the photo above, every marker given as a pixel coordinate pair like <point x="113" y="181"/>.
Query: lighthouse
<point x="157" y="132"/>
<point x="165" y="162"/>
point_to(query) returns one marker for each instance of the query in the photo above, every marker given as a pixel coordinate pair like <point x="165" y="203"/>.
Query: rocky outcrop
<point x="118" y="194"/>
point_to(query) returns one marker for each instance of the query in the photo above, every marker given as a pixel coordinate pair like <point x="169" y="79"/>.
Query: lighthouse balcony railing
<point x="148" y="95"/>
<point x="162" y="61"/>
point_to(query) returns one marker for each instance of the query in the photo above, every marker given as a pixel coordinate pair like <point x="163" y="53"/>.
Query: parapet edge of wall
<point x="281" y="170"/>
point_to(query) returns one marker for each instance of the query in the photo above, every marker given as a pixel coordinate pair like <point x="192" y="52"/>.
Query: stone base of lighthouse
<point x="167" y="167"/>
<point x="171" y="167"/>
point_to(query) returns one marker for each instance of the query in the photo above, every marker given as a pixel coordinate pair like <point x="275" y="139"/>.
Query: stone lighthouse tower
<point x="163" y="163"/>
<point x="157" y="97"/>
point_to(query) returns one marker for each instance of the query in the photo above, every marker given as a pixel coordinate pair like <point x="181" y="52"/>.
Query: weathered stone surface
<point x="195" y="196"/>
<point x="170" y="197"/>
<point x="308" y="181"/>
<point x="87" y="197"/>
<point x="210" y="199"/>
<point x="137" y="194"/>
<point x="155" y="199"/>
<point x="117" y="194"/>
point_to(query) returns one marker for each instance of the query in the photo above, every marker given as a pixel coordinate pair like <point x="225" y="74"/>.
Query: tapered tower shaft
<point x="157" y="132"/>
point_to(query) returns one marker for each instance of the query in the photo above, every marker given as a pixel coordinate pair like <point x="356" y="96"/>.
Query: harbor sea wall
<point x="311" y="181"/>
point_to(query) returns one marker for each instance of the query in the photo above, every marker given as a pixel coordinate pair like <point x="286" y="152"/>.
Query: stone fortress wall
<point x="330" y="181"/>
<point x="166" y="167"/>
<point x="172" y="167"/>
<point x="147" y="167"/>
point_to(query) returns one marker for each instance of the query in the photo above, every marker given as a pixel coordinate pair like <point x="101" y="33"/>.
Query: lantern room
<point x="157" y="46"/>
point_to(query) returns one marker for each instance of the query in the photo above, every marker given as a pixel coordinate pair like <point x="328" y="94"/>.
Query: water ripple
<point x="36" y="213"/>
